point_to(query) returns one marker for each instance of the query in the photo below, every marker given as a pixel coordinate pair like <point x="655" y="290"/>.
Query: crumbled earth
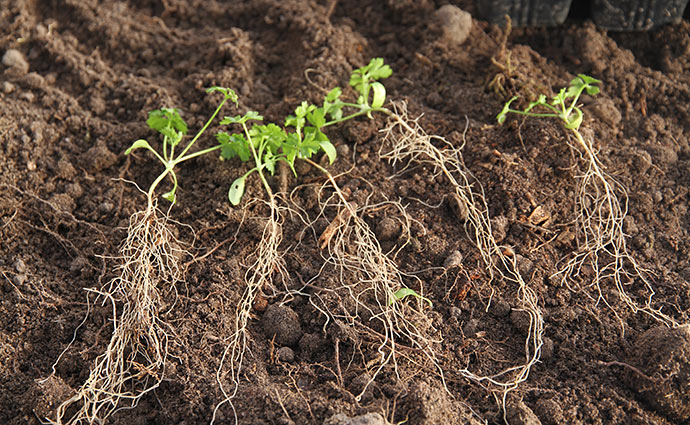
<point x="77" y="79"/>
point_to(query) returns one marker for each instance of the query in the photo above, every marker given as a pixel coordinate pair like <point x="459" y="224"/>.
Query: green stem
<point x="534" y="114"/>
<point x="210" y="120"/>
<point x="356" y="114"/>
<point x="155" y="183"/>
<point x="259" y="164"/>
<point x="195" y="154"/>
<point x="165" y="148"/>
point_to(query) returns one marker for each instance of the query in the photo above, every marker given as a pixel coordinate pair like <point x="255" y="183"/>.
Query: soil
<point x="76" y="93"/>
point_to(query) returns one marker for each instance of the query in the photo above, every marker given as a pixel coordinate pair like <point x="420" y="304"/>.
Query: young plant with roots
<point x="299" y="139"/>
<point x="601" y="207"/>
<point x="406" y="142"/>
<point x="133" y="363"/>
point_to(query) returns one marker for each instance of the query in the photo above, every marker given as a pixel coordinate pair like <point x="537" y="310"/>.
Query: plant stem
<point x="259" y="164"/>
<point x="198" y="153"/>
<point x="210" y="120"/>
<point x="155" y="183"/>
<point x="362" y="111"/>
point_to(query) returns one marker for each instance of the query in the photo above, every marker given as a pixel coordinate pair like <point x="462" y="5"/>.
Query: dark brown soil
<point x="78" y="94"/>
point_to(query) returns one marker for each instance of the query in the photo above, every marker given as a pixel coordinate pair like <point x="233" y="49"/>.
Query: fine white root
<point x="259" y="278"/>
<point x="134" y="361"/>
<point x="371" y="278"/>
<point x="601" y="207"/>
<point x="406" y="142"/>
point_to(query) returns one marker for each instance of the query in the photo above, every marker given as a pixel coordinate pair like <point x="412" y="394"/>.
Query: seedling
<point x="134" y="360"/>
<point x="602" y="205"/>
<point x="563" y="105"/>
<point x="403" y="293"/>
<point x="302" y="134"/>
<point x="172" y="127"/>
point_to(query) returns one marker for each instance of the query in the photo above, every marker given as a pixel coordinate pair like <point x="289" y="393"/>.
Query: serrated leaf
<point x="270" y="162"/>
<point x="160" y="119"/>
<point x="317" y="117"/>
<point x="236" y="191"/>
<point x="174" y="136"/>
<point x="139" y="144"/>
<point x="227" y="92"/>
<point x="233" y="145"/>
<point x="333" y="95"/>
<point x="329" y="150"/>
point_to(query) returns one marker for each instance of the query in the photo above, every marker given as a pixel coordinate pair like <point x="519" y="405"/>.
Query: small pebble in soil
<point x="7" y="87"/>
<point x="34" y="80"/>
<point x="547" y="348"/>
<point x="105" y="207"/>
<point x="20" y="266"/>
<point x="499" y="227"/>
<point x="470" y="328"/>
<point x="368" y="419"/>
<point x="285" y="354"/>
<point x="521" y="320"/>
<point x="361" y="383"/>
<point x="459" y="208"/>
<point x="454" y="22"/>
<point x="309" y="345"/>
<point x="518" y="413"/>
<point x="14" y="59"/>
<point x="282" y="322"/>
<point x="550" y="412"/>
<point x="387" y="229"/>
<point x="78" y="264"/>
<point x="500" y="308"/>
<point x="98" y="158"/>
<point x="453" y="260"/>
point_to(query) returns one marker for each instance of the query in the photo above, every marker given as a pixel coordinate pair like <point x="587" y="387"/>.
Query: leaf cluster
<point x="302" y="134"/>
<point x="563" y="105"/>
<point x="169" y="123"/>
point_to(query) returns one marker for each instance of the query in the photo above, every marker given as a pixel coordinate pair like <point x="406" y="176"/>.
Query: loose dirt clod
<point x="282" y="323"/>
<point x="663" y="355"/>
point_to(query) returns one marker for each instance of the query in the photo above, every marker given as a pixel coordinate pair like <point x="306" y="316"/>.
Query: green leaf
<point x="174" y="136"/>
<point x="559" y="99"/>
<point x="333" y="95"/>
<point x="329" y="149"/>
<point x="270" y="162"/>
<point x="141" y="143"/>
<point x="160" y="119"/>
<point x="317" y="117"/>
<point x="403" y="293"/>
<point x="170" y="196"/>
<point x="290" y="149"/>
<point x="236" y="191"/>
<point x="227" y="92"/>
<point x="233" y="145"/>
<point x="379" y="95"/>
